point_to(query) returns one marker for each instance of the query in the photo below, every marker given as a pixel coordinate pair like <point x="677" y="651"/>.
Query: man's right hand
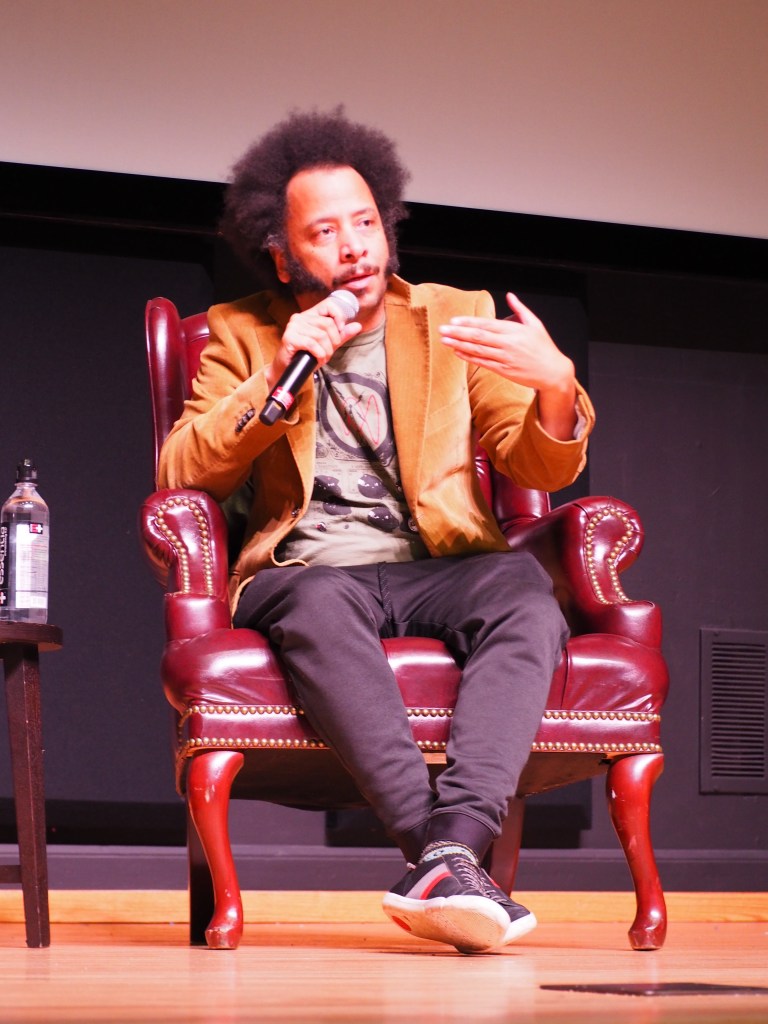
<point x="319" y="330"/>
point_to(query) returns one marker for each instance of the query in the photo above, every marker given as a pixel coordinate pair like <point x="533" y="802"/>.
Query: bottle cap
<point x="26" y="472"/>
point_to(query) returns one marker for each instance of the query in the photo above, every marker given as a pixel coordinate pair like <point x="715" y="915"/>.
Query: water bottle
<point x="24" y="546"/>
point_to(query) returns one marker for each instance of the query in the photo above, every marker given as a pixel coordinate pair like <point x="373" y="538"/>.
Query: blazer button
<point x="295" y="512"/>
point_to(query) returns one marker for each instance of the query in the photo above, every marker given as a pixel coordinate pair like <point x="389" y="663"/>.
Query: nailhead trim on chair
<point x="604" y="716"/>
<point x="602" y="748"/>
<point x="181" y="552"/>
<point x="189" y="746"/>
<point x="427" y="745"/>
<point x="612" y="557"/>
<point x="225" y="741"/>
<point x="288" y="709"/>
<point x="240" y="709"/>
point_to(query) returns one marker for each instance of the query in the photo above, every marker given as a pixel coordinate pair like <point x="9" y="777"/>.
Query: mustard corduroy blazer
<point x="441" y="407"/>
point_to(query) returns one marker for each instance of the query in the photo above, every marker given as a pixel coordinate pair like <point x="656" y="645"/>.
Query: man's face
<point x="335" y="240"/>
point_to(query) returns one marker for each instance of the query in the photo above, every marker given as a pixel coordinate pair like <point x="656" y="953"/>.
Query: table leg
<point x="22" y="687"/>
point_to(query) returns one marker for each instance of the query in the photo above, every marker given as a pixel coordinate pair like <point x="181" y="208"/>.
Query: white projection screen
<point x="651" y="112"/>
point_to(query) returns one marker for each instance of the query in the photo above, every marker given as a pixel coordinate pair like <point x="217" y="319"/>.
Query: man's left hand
<point x="520" y="349"/>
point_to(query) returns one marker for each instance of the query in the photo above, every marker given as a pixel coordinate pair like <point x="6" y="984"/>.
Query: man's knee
<point x="511" y="575"/>
<point x="278" y="594"/>
<point x="316" y="580"/>
<point x="521" y="566"/>
<point x="323" y="592"/>
<point x="524" y="594"/>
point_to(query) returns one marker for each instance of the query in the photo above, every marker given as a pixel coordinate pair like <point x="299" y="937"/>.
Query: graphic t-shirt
<point x="357" y="513"/>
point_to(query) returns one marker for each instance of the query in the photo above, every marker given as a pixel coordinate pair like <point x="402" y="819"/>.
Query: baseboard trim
<point x="311" y="868"/>
<point x="121" y="906"/>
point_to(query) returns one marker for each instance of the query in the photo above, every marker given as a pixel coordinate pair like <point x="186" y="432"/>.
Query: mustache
<point x="362" y="270"/>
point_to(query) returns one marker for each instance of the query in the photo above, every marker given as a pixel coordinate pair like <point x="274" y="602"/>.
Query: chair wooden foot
<point x="629" y="785"/>
<point x="209" y="783"/>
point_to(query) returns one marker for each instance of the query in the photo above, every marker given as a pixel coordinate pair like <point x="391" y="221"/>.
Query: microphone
<point x="284" y="392"/>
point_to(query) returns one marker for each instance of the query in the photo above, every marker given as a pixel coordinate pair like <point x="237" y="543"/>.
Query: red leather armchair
<point x="241" y="733"/>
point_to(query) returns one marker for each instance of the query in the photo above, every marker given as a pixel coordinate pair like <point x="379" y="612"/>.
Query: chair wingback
<point x="174" y="346"/>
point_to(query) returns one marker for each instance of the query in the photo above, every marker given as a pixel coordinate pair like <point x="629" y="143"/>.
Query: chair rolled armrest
<point x="184" y="537"/>
<point x="584" y="546"/>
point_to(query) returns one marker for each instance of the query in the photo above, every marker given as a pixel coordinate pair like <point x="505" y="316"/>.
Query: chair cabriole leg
<point x="201" y="903"/>
<point x="209" y="783"/>
<point x="629" y="785"/>
<point x="504" y="854"/>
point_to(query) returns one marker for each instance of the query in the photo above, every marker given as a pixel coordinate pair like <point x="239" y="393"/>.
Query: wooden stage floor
<point x="368" y="972"/>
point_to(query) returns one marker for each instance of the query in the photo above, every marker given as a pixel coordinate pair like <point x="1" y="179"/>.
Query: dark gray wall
<point x="682" y="436"/>
<point x="680" y="383"/>
<point x="75" y="399"/>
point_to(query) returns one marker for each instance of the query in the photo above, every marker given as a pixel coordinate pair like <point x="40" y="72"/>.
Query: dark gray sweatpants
<point x="497" y="614"/>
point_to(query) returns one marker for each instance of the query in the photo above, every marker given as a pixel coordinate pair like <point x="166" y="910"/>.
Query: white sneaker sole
<point x="473" y="924"/>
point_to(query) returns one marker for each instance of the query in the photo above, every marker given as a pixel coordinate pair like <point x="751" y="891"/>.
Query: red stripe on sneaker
<point x="429" y="881"/>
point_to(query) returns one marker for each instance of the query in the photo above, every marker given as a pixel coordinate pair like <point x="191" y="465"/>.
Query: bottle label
<point x="4" y="565"/>
<point x="26" y="575"/>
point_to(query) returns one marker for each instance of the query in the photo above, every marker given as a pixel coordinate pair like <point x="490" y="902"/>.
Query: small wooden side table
<point x="20" y="645"/>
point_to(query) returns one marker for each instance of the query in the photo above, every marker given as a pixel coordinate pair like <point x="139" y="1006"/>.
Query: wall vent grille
<point x="734" y="711"/>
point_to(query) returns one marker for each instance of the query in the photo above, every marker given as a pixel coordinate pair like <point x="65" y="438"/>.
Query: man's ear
<point x="281" y="265"/>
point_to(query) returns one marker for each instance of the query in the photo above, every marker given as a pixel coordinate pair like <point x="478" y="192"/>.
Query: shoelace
<point x="492" y="891"/>
<point x="470" y="874"/>
<point x="473" y="875"/>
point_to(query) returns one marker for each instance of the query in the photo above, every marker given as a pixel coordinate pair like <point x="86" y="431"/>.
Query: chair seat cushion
<point x="230" y="690"/>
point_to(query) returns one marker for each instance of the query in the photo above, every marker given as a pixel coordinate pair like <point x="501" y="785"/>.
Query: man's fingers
<point x="471" y="327"/>
<point x="319" y="331"/>
<point x="521" y="311"/>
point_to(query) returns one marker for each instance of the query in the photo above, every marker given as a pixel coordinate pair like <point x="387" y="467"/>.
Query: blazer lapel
<point x="409" y="383"/>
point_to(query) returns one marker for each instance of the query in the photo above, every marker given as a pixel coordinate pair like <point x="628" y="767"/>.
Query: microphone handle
<point x="284" y="392"/>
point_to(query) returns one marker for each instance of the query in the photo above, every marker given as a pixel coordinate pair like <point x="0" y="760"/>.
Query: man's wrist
<point x="557" y="410"/>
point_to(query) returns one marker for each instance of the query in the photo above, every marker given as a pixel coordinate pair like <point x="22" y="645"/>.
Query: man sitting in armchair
<point x="366" y="519"/>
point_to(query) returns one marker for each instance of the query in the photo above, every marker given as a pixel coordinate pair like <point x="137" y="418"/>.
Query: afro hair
<point x="255" y="201"/>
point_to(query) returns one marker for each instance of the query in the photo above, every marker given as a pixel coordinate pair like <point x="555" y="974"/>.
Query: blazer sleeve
<point x="214" y="442"/>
